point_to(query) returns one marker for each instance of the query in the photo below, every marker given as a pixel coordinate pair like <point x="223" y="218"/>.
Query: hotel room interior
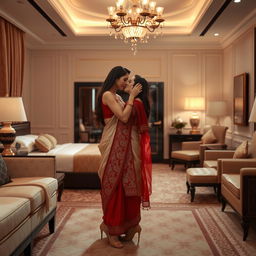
<point x="199" y="59"/>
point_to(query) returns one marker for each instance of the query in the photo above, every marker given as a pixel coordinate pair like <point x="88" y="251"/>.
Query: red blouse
<point x="107" y="113"/>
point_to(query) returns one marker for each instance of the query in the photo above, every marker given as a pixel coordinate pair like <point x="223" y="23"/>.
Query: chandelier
<point x="134" y="20"/>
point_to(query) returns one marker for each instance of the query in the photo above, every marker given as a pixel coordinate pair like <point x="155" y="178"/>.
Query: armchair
<point x="192" y="152"/>
<point x="238" y="188"/>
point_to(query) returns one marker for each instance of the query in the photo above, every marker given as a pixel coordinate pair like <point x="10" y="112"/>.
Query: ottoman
<point x="202" y="177"/>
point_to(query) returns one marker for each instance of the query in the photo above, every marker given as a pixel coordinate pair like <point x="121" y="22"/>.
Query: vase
<point x="179" y="131"/>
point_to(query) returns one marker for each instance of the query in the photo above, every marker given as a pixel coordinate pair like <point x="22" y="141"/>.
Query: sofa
<point x="27" y="203"/>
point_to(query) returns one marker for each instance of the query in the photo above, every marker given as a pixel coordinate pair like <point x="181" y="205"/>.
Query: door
<point x="156" y="120"/>
<point x="86" y="130"/>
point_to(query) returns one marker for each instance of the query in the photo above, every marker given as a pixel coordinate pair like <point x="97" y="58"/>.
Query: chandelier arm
<point x="124" y="21"/>
<point x="118" y="29"/>
<point x="150" y="29"/>
<point x="141" y="20"/>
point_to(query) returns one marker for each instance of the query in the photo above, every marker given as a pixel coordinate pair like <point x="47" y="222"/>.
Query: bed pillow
<point x="208" y="137"/>
<point x="43" y="144"/>
<point x="4" y="177"/>
<point x="242" y="150"/>
<point x="51" y="139"/>
<point x="25" y="142"/>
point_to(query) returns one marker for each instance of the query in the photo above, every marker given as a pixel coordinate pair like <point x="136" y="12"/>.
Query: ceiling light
<point x="135" y="20"/>
<point x="237" y="1"/>
<point x="216" y="34"/>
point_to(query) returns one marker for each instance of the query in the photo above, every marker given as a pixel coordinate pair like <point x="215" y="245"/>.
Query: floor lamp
<point x="12" y="110"/>
<point x="217" y="109"/>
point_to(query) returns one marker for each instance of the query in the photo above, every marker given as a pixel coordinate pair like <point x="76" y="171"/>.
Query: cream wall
<point x="238" y="57"/>
<point x="50" y="77"/>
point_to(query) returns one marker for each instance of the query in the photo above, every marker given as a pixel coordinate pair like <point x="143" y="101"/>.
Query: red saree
<point x="126" y="179"/>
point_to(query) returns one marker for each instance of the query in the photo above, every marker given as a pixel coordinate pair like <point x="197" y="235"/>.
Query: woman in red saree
<point x="125" y="169"/>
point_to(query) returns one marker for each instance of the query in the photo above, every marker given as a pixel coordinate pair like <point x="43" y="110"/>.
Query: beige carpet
<point x="173" y="226"/>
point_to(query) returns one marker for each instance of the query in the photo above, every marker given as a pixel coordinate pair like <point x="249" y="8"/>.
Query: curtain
<point x="11" y="59"/>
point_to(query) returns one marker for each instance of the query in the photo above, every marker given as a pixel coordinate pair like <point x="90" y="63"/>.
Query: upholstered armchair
<point x="192" y="152"/>
<point x="219" y="133"/>
<point x="238" y="189"/>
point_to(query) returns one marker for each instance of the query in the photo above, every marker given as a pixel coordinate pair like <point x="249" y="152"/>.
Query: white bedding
<point x="63" y="154"/>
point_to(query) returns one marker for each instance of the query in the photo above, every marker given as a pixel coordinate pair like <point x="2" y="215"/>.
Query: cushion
<point x="187" y="155"/>
<point x="13" y="212"/>
<point x="242" y="150"/>
<point x="202" y="175"/>
<point x="25" y="142"/>
<point x="51" y="139"/>
<point x="43" y="144"/>
<point x="208" y="137"/>
<point x="4" y="177"/>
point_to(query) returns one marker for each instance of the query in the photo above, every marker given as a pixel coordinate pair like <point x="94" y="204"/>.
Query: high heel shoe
<point x="113" y="240"/>
<point x="131" y="233"/>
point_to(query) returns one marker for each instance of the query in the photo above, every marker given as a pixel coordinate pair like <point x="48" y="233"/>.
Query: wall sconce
<point x="217" y="109"/>
<point x="194" y="104"/>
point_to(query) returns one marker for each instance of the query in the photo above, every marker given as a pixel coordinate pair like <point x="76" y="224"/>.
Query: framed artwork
<point x="241" y="99"/>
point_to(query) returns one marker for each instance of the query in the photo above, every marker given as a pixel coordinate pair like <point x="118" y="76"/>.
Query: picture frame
<point x="240" y="99"/>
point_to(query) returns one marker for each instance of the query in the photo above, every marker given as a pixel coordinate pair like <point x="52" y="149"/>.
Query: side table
<point x="60" y="178"/>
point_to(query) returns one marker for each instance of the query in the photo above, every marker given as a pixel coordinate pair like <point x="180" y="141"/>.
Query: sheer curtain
<point x="11" y="59"/>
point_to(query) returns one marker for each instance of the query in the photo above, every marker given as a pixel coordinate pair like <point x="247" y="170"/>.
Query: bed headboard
<point x="21" y="128"/>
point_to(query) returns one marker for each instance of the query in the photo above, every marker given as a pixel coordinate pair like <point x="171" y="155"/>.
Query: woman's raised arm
<point x="123" y="115"/>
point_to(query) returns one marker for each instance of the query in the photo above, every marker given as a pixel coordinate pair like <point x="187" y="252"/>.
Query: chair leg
<point x="173" y="165"/>
<point x="224" y="203"/>
<point x="215" y="189"/>
<point x="28" y="250"/>
<point x="51" y="224"/>
<point x="188" y="187"/>
<point x="245" y="226"/>
<point x="219" y="192"/>
<point x="192" y="191"/>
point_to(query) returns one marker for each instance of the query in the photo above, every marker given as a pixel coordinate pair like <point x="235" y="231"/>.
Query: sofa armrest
<point x="191" y="145"/>
<point x="248" y="189"/>
<point x="204" y="147"/>
<point x="234" y="165"/>
<point x="33" y="166"/>
<point x="216" y="154"/>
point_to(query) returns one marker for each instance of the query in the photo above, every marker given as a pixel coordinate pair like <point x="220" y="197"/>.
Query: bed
<point x="79" y="161"/>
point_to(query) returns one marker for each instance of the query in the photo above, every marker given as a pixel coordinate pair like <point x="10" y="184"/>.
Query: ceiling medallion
<point x="134" y="20"/>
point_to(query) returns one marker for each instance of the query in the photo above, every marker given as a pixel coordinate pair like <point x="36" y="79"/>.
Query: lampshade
<point x="216" y="108"/>
<point x="194" y="103"/>
<point x="12" y="109"/>
<point x="253" y="113"/>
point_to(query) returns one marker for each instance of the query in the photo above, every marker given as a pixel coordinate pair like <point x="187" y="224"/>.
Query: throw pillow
<point x="4" y="177"/>
<point x="51" y="139"/>
<point x="43" y="144"/>
<point x="242" y="150"/>
<point x="208" y="137"/>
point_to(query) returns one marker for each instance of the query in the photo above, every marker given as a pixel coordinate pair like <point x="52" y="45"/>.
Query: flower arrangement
<point x="178" y="124"/>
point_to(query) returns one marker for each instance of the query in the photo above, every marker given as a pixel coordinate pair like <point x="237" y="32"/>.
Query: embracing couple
<point x="126" y="169"/>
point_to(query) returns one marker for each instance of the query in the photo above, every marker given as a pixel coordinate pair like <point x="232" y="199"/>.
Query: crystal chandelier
<point x="135" y="20"/>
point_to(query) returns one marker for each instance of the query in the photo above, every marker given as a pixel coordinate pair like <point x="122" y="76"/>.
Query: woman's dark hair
<point x="144" y="95"/>
<point x="114" y="74"/>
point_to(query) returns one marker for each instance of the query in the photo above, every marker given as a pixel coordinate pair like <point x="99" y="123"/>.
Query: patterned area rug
<point x="169" y="186"/>
<point x="166" y="230"/>
<point x="173" y="226"/>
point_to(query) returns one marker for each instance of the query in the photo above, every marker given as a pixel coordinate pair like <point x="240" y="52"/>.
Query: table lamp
<point x="194" y="104"/>
<point x="12" y="110"/>
<point x="217" y="109"/>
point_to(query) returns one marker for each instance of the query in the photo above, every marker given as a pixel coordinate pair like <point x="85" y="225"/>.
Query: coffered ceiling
<point x="81" y="23"/>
